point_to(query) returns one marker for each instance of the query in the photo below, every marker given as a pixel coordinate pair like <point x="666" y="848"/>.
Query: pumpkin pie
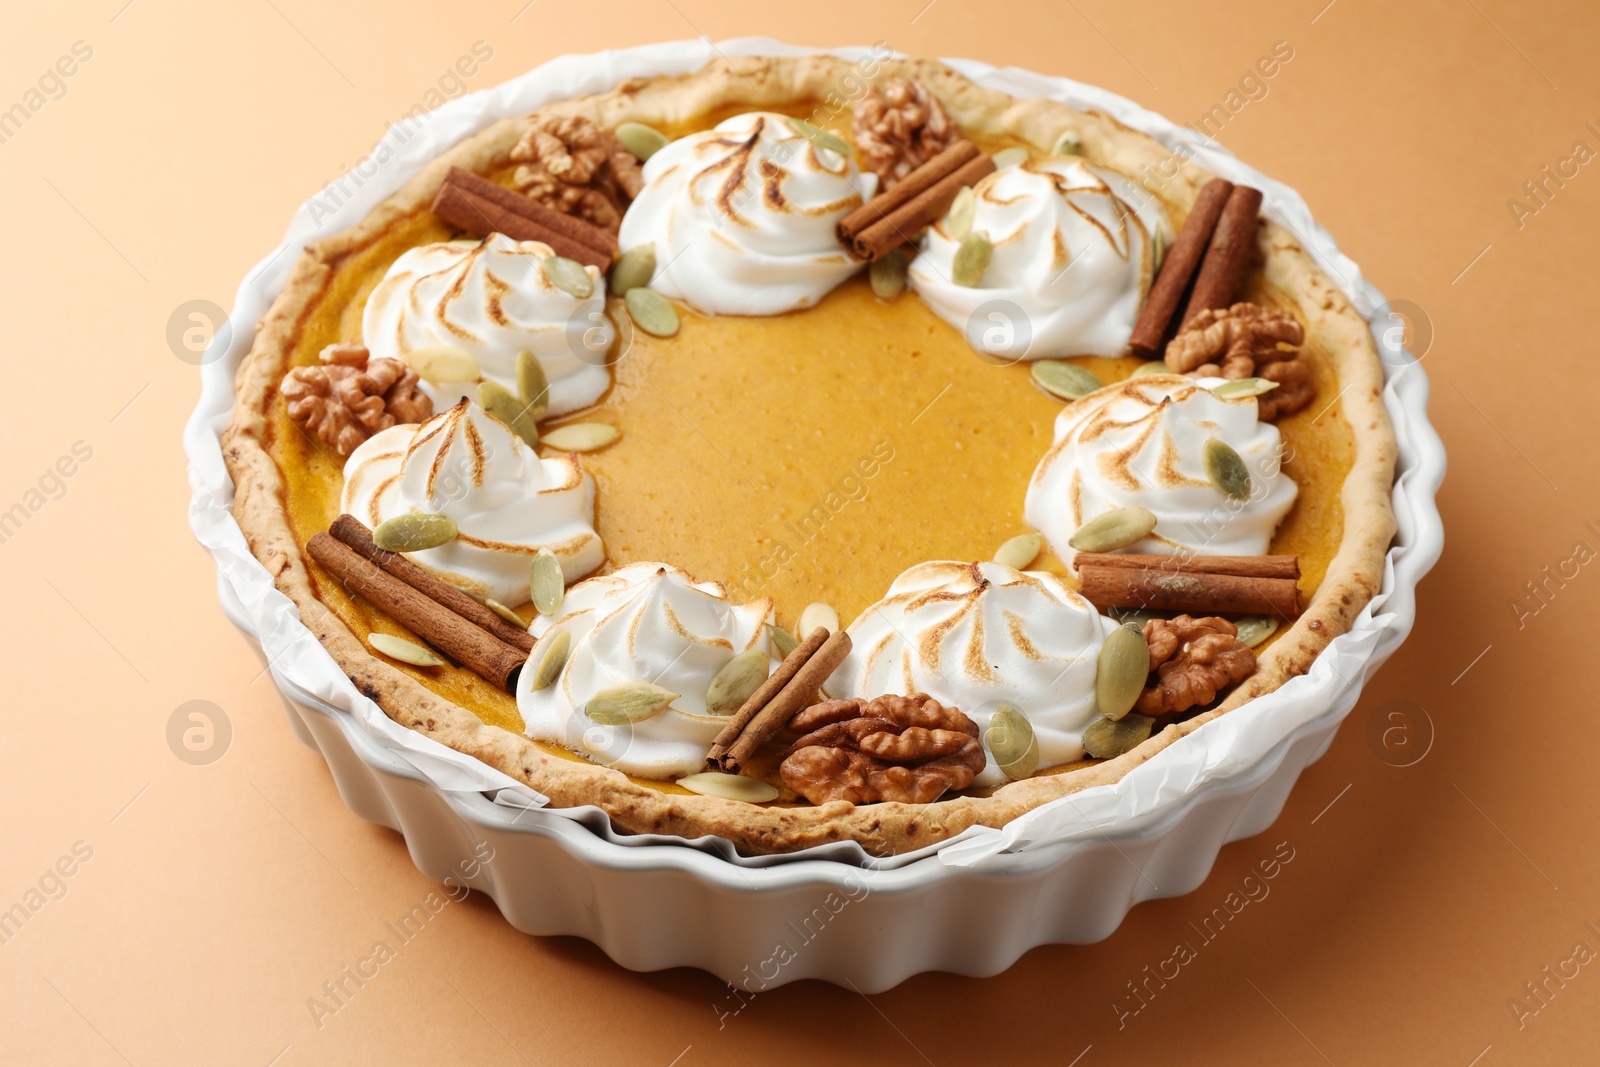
<point x="802" y="450"/>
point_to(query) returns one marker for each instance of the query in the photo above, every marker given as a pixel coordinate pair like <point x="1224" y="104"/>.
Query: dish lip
<point x="1417" y="544"/>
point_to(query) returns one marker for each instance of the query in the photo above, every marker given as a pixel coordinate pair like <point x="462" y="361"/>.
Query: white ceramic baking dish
<point x="1066" y="874"/>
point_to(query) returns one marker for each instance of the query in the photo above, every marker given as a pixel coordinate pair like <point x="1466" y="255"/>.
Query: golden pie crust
<point x="261" y="504"/>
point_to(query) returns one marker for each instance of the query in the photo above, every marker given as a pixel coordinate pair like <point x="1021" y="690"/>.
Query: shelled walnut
<point x="898" y="126"/>
<point x="1195" y="658"/>
<point x="349" y="396"/>
<point x="1242" y="342"/>
<point x="897" y="748"/>
<point x="570" y="164"/>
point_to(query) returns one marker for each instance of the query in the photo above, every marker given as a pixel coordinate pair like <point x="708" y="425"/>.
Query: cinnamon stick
<point x="471" y="646"/>
<point x="1240" y="566"/>
<point x="1193" y="592"/>
<point x="928" y="201"/>
<point x="1227" y="258"/>
<point x="569" y="226"/>
<point x="1183" y="259"/>
<point x="349" y="529"/>
<point x="479" y="215"/>
<point x="764" y="694"/>
<point x="803" y="672"/>
<point x="920" y="179"/>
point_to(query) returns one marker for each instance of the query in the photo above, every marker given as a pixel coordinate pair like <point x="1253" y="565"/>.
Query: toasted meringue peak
<point x="743" y="217"/>
<point x="646" y="622"/>
<point x="975" y="635"/>
<point x="492" y="299"/>
<point x="1073" y="257"/>
<point x="506" y="501"/>
<point x="1141" y="443"/>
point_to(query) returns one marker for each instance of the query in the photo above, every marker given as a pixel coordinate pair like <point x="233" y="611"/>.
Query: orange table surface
<point x="1444" y="911"/>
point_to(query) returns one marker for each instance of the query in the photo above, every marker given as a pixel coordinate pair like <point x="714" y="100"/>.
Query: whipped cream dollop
<point x="1141" y="443"/>
<point x="507" y="503"/>
<point x="1072" y="262"/>
<point x="646" y="622"/>
<point x="975" y="635"/>
<point x="492" y="299"/>
<point x="743" y="217"/>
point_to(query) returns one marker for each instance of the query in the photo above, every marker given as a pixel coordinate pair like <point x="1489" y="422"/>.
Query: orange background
<point x="218" y="898"/>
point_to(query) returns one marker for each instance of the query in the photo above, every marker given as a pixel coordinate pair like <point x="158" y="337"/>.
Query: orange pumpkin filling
<point x="807" y="456"/>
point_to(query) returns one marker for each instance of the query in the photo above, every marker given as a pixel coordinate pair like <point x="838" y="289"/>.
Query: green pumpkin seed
<point x="634" y="268"/>
<point x="581" y="436"/>
<point x="415" y="532"/>
<point x="1158" y="251"/>
<point x="640" y="140"/>
<point x="729" y="787"/>
<point x="971" y="259"/>
<point x="1114" y="529"/>
<point x="1105" y="739"/>
<point x="732" y="685"/>
<point x="497" y="400"/>
<point x="783" y="642"/>
<point x="1243" y="387"/>
<point x="1012" y="742"/>
<point x="505" y="613"/>
<point x="821" y="138"/>
<point x="553" y="661"/>
<point x="404" y="651"/>
<point x="1226" y="469"/>
<point x="1120" y="672"/>
<point x="1254" y="629"/>
<point x="1070" y="143"/>
<point x="1010" y="157"/>
<point x="546" y="584"/>
<point x="817" y="615"/>
<point x="443" y="363"/>
<point x="533" y="386"/>
<point x="888" y="275"/>
<point x="1020" y="551"/>
<point x="619" y="705"/>
<point x="1153" y="367"/>
<point x="957" y="221"/>
<point x="1068" y="381"/>
<point x="651" y="312"/>
<point x="570" y="276"/>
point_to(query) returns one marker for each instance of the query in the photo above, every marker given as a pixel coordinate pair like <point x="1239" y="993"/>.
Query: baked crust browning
<point x="261" y="507"/>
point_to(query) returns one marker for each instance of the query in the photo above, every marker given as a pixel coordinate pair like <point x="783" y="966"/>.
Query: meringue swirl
<point x="492" y="299"/>
<point x="1072" y="254"/>
<point x="507" y="503"/>
<point x="647" y="622"/>
<point x="1141" y="443"/>
<point x="743" y="217"/>
<point x="973" y="635"/>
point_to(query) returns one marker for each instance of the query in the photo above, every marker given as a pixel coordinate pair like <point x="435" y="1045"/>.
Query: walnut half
<point x="1242" y="342"/>
<point x="898" y="126"/>
<point x="350" y="397"/>
<point x="1195" y="658"/>
<point x="570" y="164"/>
<point x="898" y="748"/>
